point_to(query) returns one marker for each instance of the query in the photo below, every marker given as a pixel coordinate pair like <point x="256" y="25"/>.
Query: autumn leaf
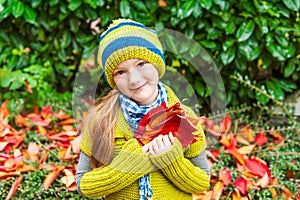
<point x="14" y="187"/>
<point x="257" y="168"/>
<point x="225" y="176"/>
<point x="4" y="112"/>
<point x="51" y="177"/>
<point x="261" y="139"/>
<point x="161" y="120"/>
<point x="264" y="181"/>
<point x="241" y="185"/>
<point x="162" y="3"/>
<point x="246" y="149"/>
<point x="33" y="151"/>
<point x="226" y="124"/>
<point x="236" y="195"/>
<point x="217" y="190"/>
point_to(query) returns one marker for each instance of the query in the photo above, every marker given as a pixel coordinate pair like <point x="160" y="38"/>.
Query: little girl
<point x="112" y="162"/>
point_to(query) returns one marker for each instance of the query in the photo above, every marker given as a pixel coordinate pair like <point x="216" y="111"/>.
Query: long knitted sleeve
<point x="129" y="165"/>
<point x="181" y="171"/>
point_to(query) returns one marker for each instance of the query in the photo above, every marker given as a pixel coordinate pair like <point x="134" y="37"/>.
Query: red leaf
<point x="225" y="176"/>
<point x="241" y="185"/>
<point x="51" y="177"/>
<point x="237" y="155"/>
<point x="4" y="113"/>
<point x="257" y="168"/>
<point x="161" y="120"/>
<point x="226" y="124"/>
<point x="261" y="139"/>
<point x="14" y="187"/>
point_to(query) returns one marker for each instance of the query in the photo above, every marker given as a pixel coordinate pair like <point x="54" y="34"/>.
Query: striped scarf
<point x="133" y="113"/>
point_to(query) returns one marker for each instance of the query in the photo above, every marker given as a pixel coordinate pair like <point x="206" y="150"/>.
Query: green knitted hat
<point x="125" y="39"/>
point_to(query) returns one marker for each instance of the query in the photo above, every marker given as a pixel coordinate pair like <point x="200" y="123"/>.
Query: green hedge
<point x="42" y="43"/>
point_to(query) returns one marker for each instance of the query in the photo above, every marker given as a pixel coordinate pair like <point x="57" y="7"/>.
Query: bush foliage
<point x="42" y="43"/>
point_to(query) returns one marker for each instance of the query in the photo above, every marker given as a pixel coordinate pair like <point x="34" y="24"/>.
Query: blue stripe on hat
<point x="125" y="24"/>
<point x="123" y="42"/>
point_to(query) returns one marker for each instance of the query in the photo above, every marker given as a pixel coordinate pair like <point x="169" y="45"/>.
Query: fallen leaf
<point x="261" y="139"/>
<point x="241" y="185"/>
<point x="68" y="179"/>
<point x="263" y="182"/>
<point x="4" y="112"/>
<point x="246" y="149"/>
<point x="33" y="151"/>
<point x="226" y="124"/>
<point x="76" y="145"/>
<point x="248" y="133"/>
<point x="225" y="176"/>
<point x="14" y="187"/>
<point x="51" y="177"/>
<point x="206" y="195"/>
<point x="277" y="137"/>
<point x="67" y="122"/>
<point x="257" y="168"/>
<point x="217" y="190"/>
<point x="236" y="155"/>
<point x="236" y="195"/>
<point x="242" y="140"/>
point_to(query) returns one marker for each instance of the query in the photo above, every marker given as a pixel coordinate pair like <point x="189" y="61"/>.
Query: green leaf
<point x="187" y="9"/>
<point x="292" y="4"/>
<point x="35" y="3"/>
<point x="17" y="9"/>
<point x="195" y="50"/>
<point x="125" y="8"/>
<point x="29" y="15"/>
<point x="74" y="25"/>
<point x="205" y="4"/>
<point x="289" y="69"/>
<point x="263" y="99"/>
<point x="197" y="12"/>
<point x="228" y="43"/>
<point x="189" y="90"/>
<point x="287" y="86"/>
<point x="53" y="2"/>
<point x="228" y="56"/>
<point x="208" y="44"/>
<point x="6" y="12"/>
<point x="66" y="39"/>
<point x="73" y="5"/>
<point x="199" y="88"/>
<point x="276" y="52"/>
<point x="274" y="89"/>
<point x="171" y="43"/>
<point x="245" y="30"/>
<point x="230" y="28"/>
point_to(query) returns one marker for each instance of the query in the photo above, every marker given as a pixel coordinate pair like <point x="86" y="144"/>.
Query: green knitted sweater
<point x="172" y="175"/>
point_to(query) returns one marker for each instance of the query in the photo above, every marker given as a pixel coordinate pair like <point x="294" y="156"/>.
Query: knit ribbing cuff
<point x="165" y="159"/>
<point x="132" y="159"/>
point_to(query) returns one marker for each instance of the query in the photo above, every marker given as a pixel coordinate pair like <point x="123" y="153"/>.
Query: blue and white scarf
<point x="133" y="113"/>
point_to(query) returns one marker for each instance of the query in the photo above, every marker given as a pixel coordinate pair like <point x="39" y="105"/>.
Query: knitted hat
<point x="125" y="39"/>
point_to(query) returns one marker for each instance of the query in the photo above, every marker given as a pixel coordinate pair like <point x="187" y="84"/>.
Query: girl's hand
<point x="159" y="145"/>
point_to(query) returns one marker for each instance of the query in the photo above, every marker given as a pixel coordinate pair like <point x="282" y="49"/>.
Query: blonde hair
<point x="101" y="123"/>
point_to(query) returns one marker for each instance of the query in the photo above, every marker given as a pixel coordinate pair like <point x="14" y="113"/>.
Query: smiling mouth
<point x="140" y="87"/>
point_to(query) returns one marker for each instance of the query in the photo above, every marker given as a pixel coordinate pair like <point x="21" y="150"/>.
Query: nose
<point x="134" y="77"/>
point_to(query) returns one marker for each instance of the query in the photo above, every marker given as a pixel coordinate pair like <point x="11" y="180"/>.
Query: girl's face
<point x="137" y="79"/>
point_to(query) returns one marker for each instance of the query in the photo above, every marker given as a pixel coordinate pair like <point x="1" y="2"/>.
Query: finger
<point x="151" y="152"/>
<point x="166" y="140"/>
<point x="171" y="137"/>
<point x="145" y="148"/>
<point x="159" y="142"/>
<point x="155" y="145"/>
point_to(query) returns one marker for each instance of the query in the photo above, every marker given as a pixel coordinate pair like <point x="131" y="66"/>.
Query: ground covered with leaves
<point x="253" y="155"/>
